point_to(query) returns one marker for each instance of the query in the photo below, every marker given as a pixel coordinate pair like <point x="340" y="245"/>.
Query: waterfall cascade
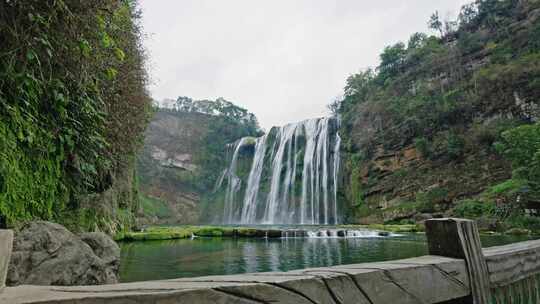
<point x="293" y="176"/>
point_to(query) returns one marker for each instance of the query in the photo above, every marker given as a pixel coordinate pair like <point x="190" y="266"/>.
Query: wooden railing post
<point x="6" y="245"/>
<point x="459" y="238"/>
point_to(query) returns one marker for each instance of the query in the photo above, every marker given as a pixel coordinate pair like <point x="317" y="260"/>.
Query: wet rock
<point x="490" y="224"/>
<point x="272" y="233"/>
<point x="301" y="233"/>
<point x="45" y="253"/>
<point x="518" y="231"/>
<point x="422" y="217"/>
<point x="384" y="233"/>
<point x="342" y="233"/>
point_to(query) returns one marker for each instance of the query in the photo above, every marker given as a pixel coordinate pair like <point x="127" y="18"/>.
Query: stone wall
<point x="6" y="245"/>
<point x="426" y="279"/>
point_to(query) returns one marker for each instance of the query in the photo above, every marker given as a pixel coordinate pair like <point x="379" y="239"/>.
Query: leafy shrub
<point x="428" y="201"/>
<point x="423" y="146"/>
<point x="473" y="209"/>
<point x="524" y="222"/>
<point x="521" y="145"/>
<point x="455" y="146"/>
<point x="470" y="42"/>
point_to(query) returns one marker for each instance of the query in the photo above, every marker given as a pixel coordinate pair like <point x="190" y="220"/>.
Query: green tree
<point x="417" y="40"/>
<point x="392" y="59"/>
<point x="435" y="23"/>
<point x="521" y="145"/>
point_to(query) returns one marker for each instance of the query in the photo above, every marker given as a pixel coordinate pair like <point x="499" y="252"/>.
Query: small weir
<point x="305" y="233"/>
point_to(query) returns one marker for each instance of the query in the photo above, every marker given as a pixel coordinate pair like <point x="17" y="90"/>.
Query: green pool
<point x="155" y="260"/>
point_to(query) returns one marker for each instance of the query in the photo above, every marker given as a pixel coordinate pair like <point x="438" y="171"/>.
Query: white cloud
<point x="284" y="60"/>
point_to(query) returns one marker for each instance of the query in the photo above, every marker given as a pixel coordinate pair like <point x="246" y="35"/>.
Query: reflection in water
<point x="155" y="260"/>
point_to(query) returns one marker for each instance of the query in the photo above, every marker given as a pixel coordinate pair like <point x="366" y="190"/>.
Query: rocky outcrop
<point x="167" y="165"/>
<point x="183" y="156"/>
<point x="45" y="253"/>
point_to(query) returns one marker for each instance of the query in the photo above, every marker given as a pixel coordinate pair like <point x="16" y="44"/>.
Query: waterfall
<point x="335" y="175"/>
<point x="275" y="201"/>
<point x="293" y="177"/>
<point x="233" y="184"/>
<point x="254" y="179"/>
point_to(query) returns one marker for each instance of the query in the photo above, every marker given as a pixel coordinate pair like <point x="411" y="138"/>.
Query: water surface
<point x="156" y="260"/>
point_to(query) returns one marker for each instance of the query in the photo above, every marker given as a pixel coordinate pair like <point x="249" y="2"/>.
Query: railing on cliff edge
<point x="457" y="270"/>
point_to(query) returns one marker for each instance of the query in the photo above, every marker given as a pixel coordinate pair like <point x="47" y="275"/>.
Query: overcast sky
<point x="284" y="60"/>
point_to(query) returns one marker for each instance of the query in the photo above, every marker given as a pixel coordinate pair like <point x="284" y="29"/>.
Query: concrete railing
<point x="6" y="243"/>
<point x="458" y="271"/>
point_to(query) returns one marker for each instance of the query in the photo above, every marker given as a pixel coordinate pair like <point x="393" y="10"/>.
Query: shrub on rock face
<point x="45" y="253"/>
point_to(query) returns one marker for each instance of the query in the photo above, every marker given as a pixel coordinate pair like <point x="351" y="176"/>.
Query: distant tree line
<point x="219" y="107"/>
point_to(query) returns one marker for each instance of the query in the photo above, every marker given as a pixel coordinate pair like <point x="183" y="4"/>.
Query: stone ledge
<point x="428" y="279"/>
<point x="6" y="246"/>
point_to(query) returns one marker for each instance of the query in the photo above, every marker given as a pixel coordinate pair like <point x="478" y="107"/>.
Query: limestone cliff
<point x="183" y="156"/>
<point x="428" y="131"/>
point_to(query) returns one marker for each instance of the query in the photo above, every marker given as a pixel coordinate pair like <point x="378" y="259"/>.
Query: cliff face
<point x="183" y="155"/>
<point x="167" y="164"/>
<point x="428" y="131"/>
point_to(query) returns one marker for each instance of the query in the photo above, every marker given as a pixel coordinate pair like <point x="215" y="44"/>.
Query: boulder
<point x="422" y="217"/>
<point x="106" y="249"/>
<point x="45" y="253"/>
<point x="518" y="231"/>
<point x="488" y="224"/>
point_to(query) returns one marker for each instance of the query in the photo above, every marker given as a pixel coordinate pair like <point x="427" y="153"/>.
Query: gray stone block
<point x="6" y="245"/>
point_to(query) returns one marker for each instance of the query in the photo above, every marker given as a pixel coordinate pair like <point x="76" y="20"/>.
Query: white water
<point x="303" y="155"/>
<point x="340" y="233"/>
<point x="250" y="199"/>
<point x="234" y="184"/>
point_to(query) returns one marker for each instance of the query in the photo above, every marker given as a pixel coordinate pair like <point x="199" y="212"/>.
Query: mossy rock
<point x="247" y="232"/>
<point x="209" y="232"/>
<point x="518" y="231"/>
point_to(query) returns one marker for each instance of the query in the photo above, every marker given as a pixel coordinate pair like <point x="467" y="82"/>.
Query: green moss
<point x="246" y="232"/>
<point x="518" y="231"/>
<point x="154" y="207"/>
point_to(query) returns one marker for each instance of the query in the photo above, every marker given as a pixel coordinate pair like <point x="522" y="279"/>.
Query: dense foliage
<point x="472" y="91"/>
<point x="73" y="103"/>
<point x="218" y="107"/>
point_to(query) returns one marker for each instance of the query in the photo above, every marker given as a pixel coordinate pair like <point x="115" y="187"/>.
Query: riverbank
<point x="183" y="232"/>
